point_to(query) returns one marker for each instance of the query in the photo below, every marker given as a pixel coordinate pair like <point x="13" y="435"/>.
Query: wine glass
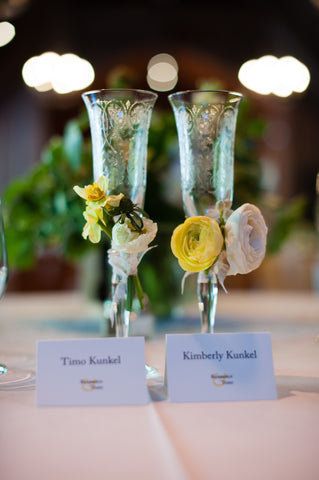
<point x="14" y="372"/>
<point x="3" y="270"/>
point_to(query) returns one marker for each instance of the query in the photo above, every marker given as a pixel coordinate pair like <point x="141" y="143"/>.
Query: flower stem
<point x="129" y="293"/>
<point x="139" y="290"/>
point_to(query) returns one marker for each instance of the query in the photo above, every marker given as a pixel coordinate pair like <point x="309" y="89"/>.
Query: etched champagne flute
<point x="119" y="123"/>
<point x="206" y="125"/>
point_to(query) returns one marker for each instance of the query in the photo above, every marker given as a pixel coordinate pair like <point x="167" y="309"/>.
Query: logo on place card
<point x="90" y="385"/>
<point x="219" y="380"/>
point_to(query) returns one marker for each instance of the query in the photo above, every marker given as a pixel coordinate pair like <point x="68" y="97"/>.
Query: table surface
<point x="277" y="439"/>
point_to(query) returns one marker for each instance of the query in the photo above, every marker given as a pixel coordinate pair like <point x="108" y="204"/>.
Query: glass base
<point x="16" y="378"/>
<point x="151" y="372"/>
<point x="16" y="371"/>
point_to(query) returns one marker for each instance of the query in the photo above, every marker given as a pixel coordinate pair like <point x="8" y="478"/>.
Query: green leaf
<point x="53" y="151"/>
<point x="72" y="144"/>
<point x="60" y="202"/>
<point x="286" y="217"/>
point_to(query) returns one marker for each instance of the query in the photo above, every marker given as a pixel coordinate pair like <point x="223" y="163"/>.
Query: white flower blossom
<point x="125" y="239"/>
<point x="245" y="238"/>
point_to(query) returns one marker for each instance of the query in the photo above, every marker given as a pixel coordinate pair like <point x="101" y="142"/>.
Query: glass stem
<point x="120" y="314"/>
<point x="207" y="292"/>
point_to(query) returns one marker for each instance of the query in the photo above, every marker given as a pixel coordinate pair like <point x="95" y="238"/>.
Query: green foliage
<point x="282" y="219"/>
<point x="157" y="271"/>
<point x="41" y="210"/>
<point x="247" y="182"/>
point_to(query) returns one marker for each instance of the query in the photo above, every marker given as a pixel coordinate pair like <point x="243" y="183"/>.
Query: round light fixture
<point x="62" y="73"/>
<point x="7" y="33"/>
<point x="279" y="76"/>
<point x="162" y="72"/>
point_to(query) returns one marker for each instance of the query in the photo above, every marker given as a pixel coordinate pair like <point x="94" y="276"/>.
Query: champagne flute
<point x="3" y="270"/>
<point x="119" y="124"/>
<point x="206" y="125"/>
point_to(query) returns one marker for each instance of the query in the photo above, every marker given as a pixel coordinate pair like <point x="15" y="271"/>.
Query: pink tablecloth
<point x="233" y="440"/>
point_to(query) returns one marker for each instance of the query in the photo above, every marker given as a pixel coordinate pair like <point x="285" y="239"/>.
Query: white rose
<point x="125" y="239"/>
<point x="245" y="238"/>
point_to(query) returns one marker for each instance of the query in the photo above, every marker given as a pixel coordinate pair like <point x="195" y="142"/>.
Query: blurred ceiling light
<point x="280" y="76"/>
<point x="71" y="73"/>
<point x="7" y="32"/>
<point x="162" y="72"/>
<point x="38" y="71"/>
<point x="62" y="73"/>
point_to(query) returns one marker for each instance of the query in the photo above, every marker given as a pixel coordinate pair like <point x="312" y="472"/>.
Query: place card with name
<point x="104" y="371"/>
<point x="219" y="367"/>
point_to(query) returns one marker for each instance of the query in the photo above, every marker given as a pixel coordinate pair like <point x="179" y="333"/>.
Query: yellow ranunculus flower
<point x="197" y="243"/>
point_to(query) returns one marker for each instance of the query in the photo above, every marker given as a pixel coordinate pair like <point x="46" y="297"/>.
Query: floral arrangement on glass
<point x="235" y="243"/>
<point x="214" y="241"/>
<point x="130" y="231"/>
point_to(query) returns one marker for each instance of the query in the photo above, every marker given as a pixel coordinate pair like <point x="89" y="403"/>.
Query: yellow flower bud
<point x="197" y="243"/>
<point x="94" y="192"/>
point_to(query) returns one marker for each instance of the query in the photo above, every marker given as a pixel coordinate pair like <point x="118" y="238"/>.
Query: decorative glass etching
<point x="119" y="122"/>
<point x="206" y="123"/>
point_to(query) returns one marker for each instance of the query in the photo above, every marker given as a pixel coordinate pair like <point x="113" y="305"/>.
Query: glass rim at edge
<point x="239" y="96"/>
<point x="119" y="90"/>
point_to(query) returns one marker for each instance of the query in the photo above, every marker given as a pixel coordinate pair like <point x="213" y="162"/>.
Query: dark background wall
<point x="208" y="39"/>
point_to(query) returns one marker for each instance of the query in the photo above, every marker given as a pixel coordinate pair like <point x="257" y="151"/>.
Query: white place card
<point x="104" y="371"/>
<point x="219" y="367"/>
